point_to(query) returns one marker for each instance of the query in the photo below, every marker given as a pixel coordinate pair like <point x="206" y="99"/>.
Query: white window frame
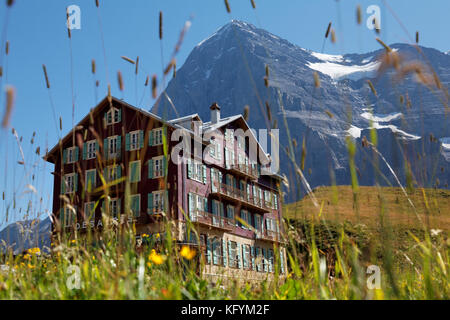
<point x="86" y="177"/>
<point x="135" y="145"/>
<point x="112" y="154"/>
<point x="158" y="200"/>
<point x="69" y="187"/>
<point x="157" y="136"/>
<point x="158" y="171"/>
<point x="71" y="155"/>
<point x="112" y="112"/>
<point x="91" y="152"/>
<point x="139" y="170"/>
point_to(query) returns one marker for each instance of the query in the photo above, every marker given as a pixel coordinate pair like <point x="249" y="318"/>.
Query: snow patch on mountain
<point x="328" y="57"/>
<point x="354" y="131"/>
<point x="380" y="118"/>
<point x="338" y="71"/>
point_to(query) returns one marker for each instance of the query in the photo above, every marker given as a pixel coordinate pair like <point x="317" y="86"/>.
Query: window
<point x="158" y="167"/>
<point x="198" y="205"/>
<point x="216" y="250"/>
<point x="90" y="150"/>
<point x="268" y="198"/>
<point x="158" y="201"/>
<point x="112" y="147"/>
<point x="229" y="158"/>
<point x="113" y="173"/>
<point x="113" y="116"/>
<point x="90" y="180"/>
<point x="71" y="155"/>
<point x="259" y="260"/>
<point x="135" y="205"/>
<point x="216" y="180"/>
<point x="68" y="216"/>
<point x="245" y="219"/>
<point x="246" y="256"/>
<point x="89" y="210"/>
<point x="233" y="254"/>
<point x="258" y="224"/>
<point x="196" y="171"/>
<point x="158" y="136"/>
<point x="230" y="212"/>
<point x="135" y="171"/>
<point x="215" y="149"/>
<point x="134" y="140"/>
<point x="69" y="183"/>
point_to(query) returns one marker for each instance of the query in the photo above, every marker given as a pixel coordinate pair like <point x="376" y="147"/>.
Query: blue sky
<point x="37" y="35"/>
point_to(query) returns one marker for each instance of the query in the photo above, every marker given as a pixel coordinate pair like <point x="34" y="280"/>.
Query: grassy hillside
<point x="371" y="204"/>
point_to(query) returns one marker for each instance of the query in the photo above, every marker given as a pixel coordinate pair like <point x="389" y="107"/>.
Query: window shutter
<point x="105" y="174"/>
<point x="150" y="140"/>
<point x="189" y="168"/>
<point x="75" y="182"/>
<point x="214" y="208"/>
<point x="141" y="139"/>
<point x="191" y="206"/>
<point x="104" y="206"/>
<point x="270" y="260"/>
<point x="84" y="150"/>
<point x="105" y="149"/>
<point x="244" y="256"/>
<point x="127" y="142"/>
<point x="76" y="154"/>
<point x="150" y="169"/>
<point x="164" y="165"/>
<point x="63" y="185"/>
<point x="119" y="171"/>
<point x="265" y="259"/>
<point x="214" y="252"/>
<point x="208" y="250"/>
<point x="238" y="255"/>
<point x="96" y="146"/>
<point x="119" y="202"/>
<point x="119" y="114"/>
<point x="252" y="252"/>
<point x="204" y="174"/>
<point x="133" y="173"/>
<point x="150" y="203"/>
<point x="119" y="146"/>
<point x="230" y="255"/>
<point x="64" y="156"/>
<point x="224" y="252"/>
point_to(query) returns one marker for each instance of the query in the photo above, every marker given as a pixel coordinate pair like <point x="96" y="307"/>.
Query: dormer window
<point x="114" y="115"/>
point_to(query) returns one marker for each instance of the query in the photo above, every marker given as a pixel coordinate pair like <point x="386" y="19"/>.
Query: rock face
<point x="23" y="235"/>
<point x="410" y="119"/>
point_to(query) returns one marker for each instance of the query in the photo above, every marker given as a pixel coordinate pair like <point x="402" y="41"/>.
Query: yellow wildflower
<point x="157" y="236"/>
<point x="156" y="258"/>
<point x="187" y="252"/>
<point x="30" y="266"/>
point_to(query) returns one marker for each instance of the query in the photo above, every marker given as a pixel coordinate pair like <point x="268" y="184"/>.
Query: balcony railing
<point x="244" y="169"/>
<point x="240" y="196"/>
<point x="213" y="220"/>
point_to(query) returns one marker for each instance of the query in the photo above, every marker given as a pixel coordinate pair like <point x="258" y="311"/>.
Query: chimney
<point x="215" y="113"/>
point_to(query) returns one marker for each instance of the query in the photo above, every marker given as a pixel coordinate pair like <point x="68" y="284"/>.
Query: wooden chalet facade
<point x="235" y="209"/>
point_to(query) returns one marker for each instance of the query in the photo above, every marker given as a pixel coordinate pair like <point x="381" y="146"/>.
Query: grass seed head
<point x="160" y="25"/>
<point x="253" y="4"/>
<point x="227" y="6"/>
<point x="10" y="97"/>
<point x="154" y="86"/>
<point x="327" y="33"/>
<point x="120" y="80"/>
<point x="47" y="82"/>
<point x="358" y="14"/>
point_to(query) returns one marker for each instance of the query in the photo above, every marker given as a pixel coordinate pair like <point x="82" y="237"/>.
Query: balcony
<point x="268" y="235"/>
<point x="244" y="170"/>
<point x="240" y="197"/>
<point x="212" y="220"/>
